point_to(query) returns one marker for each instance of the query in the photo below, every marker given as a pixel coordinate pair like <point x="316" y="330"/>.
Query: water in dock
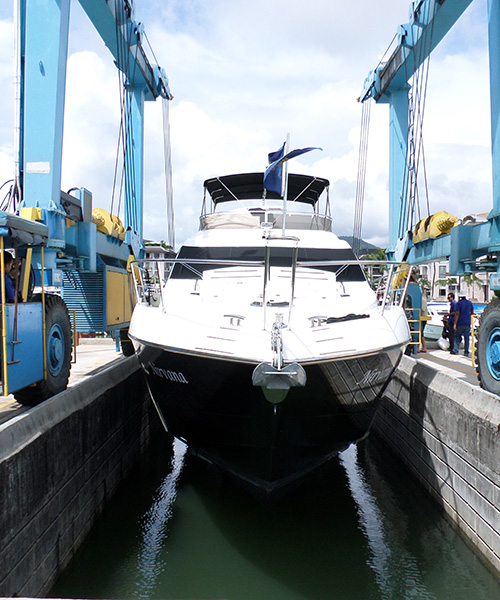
<point x="358" y="529"/>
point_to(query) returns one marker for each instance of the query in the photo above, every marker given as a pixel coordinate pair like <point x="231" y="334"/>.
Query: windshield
<point x="279" y="257"/>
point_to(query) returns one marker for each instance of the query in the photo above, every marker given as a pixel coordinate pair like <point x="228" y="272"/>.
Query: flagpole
<point x="284" y="185"/>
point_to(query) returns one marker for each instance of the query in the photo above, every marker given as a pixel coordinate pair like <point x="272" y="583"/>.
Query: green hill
<point x="364" y="247"/>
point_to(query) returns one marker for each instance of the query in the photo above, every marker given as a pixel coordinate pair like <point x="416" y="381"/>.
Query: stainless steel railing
<point x="150" y="276"/>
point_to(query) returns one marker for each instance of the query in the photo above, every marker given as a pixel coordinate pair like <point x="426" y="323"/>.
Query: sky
<point x="243" y="76"/>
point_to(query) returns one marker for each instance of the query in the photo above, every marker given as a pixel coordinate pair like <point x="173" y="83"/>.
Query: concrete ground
<point x="92" y="356"/>
<point x="457" y="365"/>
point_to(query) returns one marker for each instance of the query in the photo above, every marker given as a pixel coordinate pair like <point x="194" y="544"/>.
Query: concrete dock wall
<point x="447" y="432"/>
<point x="60" y="463"/>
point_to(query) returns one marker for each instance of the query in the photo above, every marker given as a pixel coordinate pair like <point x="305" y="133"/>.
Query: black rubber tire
<point x="126" y="344"/>
<point x="58" y="342"/>
<point x="489" y="328"/>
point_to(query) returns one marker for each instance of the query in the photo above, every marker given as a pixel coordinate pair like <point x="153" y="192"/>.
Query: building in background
<point x="476" y="284"/>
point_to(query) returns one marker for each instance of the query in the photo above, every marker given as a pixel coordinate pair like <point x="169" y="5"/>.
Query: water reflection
<point x="154" y="527"/>
<point x="357" y="529"/>
<point x="396" y="570"/>
<point x="307" y="546"/>
<point x="425" y="555"/>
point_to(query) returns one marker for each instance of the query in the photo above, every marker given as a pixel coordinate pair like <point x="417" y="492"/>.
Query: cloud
<point x="244" y="75"/>
<point x="92" y="120"/>
<point x="6" y="101"/>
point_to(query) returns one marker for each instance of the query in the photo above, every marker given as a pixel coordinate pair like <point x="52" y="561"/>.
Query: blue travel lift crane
<point x="468" y="247"/>
<point x="57" y="245"/>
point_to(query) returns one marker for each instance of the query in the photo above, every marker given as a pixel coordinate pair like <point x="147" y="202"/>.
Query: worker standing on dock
<point x="424" y="317"/>
<point x="450" y="328"/>
<point x="463" y="317"/>
<point x="8" y="261"/>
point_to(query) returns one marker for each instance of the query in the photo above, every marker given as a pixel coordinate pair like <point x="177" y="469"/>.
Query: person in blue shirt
<point x="10" y="292"/>
<point x="451" y="322"/>
<point x="463" y="317"/>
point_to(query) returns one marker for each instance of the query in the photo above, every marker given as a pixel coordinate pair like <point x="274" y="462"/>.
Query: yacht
<point x="265" y="345"/>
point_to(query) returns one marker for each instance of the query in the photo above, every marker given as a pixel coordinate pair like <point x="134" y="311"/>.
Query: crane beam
<point x="123" y="37"/>
<point x="430" y="21"/>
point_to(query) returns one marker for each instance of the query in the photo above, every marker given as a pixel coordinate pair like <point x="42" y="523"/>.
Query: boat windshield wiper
<point x="349" y="317"/>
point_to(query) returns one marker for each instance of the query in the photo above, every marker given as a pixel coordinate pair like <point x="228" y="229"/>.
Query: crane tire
<point x="58" y="346"/>
<point x="488" y="348"/>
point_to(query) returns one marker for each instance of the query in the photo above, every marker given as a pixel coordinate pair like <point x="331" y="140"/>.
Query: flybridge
<point x="250" y="186"/>
<point x="243" y="200"/>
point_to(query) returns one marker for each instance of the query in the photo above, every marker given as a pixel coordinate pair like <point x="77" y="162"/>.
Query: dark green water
<point x="358" y="529"/>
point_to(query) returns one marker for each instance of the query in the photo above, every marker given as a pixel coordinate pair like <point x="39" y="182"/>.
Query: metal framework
<point x="430" y="21"/>
<point x="43" y="27"/>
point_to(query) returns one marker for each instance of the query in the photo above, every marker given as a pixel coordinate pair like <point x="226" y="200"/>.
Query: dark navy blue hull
<point x="213" y="406"/>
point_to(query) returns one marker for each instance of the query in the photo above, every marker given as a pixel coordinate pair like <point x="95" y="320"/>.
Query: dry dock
<point x="61" y="462"/>
<point x="447" y="431"/>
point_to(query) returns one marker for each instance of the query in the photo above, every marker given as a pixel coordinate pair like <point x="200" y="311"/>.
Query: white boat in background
<point x="266" y="352"/>
<point x="434" y="326"/>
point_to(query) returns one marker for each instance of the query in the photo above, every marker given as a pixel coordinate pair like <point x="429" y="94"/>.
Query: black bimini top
<point x="250" y="186"/>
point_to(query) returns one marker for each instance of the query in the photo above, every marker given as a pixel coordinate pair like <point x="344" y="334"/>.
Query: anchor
<point x="275" y="380"/>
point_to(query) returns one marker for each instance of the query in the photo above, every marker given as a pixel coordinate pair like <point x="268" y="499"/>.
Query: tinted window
<point x="280" y="257"/>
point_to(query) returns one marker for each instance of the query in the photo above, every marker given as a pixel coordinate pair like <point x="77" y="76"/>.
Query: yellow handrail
<point x="473" y="341"/>
<point x="417" y="330"/>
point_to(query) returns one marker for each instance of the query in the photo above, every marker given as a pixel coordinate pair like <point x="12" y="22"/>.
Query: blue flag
<point x="273" y="177"/>
<point x="273" y="156"/>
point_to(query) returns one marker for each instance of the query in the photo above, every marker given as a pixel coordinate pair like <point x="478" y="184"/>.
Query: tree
<point x="423" y="281"/>
<point x="471" y="279"/>
<point x="377" y="254"/>
<point x="450" y="281"/>
<point x="374" y="272"/>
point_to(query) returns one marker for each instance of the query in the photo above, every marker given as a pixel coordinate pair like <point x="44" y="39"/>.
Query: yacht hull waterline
<point x="213" y="406"/>
<point x="267" y="353"/>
